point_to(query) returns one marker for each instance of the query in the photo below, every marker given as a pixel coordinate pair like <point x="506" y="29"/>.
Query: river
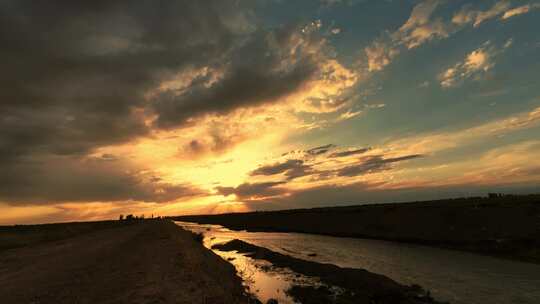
<point x="453" y="276"/>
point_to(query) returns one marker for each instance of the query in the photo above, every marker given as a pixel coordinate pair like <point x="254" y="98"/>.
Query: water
<point x="260" y="278"/>
<point x="453" y="276"/>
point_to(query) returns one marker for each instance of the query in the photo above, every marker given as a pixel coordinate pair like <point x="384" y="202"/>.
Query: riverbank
<point x="507" y="226"/>
<point x="358" y="285"/>
<point x="152" y="261"/>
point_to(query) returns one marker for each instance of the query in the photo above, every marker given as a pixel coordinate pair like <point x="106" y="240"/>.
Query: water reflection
<point x="454" y="276"/>
<point x="263" y="284"/>
<point x="260" y="278"/>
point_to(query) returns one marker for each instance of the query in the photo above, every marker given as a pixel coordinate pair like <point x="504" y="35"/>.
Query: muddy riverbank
<point x="356" y="285"/>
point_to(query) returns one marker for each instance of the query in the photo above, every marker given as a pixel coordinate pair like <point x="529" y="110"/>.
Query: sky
<point x="188" y="107"/>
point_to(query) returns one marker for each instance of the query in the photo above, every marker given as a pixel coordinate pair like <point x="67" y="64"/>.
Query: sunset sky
<point x="183" y="107"/>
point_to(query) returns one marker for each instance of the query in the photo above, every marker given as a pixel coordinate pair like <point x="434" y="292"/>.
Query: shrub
<point x="199" y="237"/>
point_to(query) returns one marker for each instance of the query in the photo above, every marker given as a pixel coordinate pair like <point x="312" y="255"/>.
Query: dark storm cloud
<point x="76" y="76"/>
<point x="72" y="179"/>
<point x="267" y="66"/>
<point x="349" y="152"/>
<point x="253" y="190"/>
<point x="372" y="164"/>
<point x="75" y="72"/>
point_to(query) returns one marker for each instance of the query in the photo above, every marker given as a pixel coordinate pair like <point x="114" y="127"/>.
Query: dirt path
<point x="149" y="262"/>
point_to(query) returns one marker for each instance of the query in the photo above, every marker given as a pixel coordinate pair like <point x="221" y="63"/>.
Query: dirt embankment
<point x="26" y="235"/>
<point x="361" y="286"/>
<point x="507" y="226"/>
<point x="145" y="262"/>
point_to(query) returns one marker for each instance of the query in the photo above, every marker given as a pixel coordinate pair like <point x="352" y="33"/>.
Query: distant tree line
<point x="131" y="217"/>
<point x="499" y="195"/>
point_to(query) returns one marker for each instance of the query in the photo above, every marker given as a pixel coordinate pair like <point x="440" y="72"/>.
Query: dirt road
<point x="147" y="262"/>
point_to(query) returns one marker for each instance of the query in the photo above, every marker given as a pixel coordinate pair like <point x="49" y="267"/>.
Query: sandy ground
<point x="147" y="262"/>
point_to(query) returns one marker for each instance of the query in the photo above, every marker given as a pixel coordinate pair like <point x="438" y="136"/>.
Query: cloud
<point x="467" y="15"/>
<point x="519" y="10"/>
<point x="507" y="166"/>
<point x="424" y="84"/>
<point x="496" y="10"/>
<point x="325" y="195"/>
<point x="379" y="167"/>
<point x="68" y="179"/>
<point x="379" y="55"/>
<point x="216" y="139"/>
<point x="349" y="114"/>
<point x="84" y="85"/>
<point x="329" y="168"/>
<point x="376" y="172"/>
<point x="103" y="77"/>
<point x="369" y="193"/>
<point x="371" y="164"/>
<point x="267" y="67"/>
<point x="349" y="152"/>
<point x="420" y="28"/>
<point x="475" y="64"/>
<point x="320" y="150"/>
<point x="435" y="142"/>
<point x="511" y="164"/>
<point x="420" y="15"/>
<point x="331" y="89"/>
<point x="292" y="168"/>
<point x="86" y="74"/>
<point x="511" y="168"/>
<point x="346" y="176"/>
<point x="253" y="191"/>
<point x="278" y="168"/>
<point x="424" y="33"/>
<point x="291" y="66"/>
<point x="508" y="43"/>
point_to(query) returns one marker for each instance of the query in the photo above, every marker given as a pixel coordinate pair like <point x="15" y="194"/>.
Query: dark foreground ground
<point x="151" y="261"/>
<point x="359" y="286"/>
<point x="507" y="226"/>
